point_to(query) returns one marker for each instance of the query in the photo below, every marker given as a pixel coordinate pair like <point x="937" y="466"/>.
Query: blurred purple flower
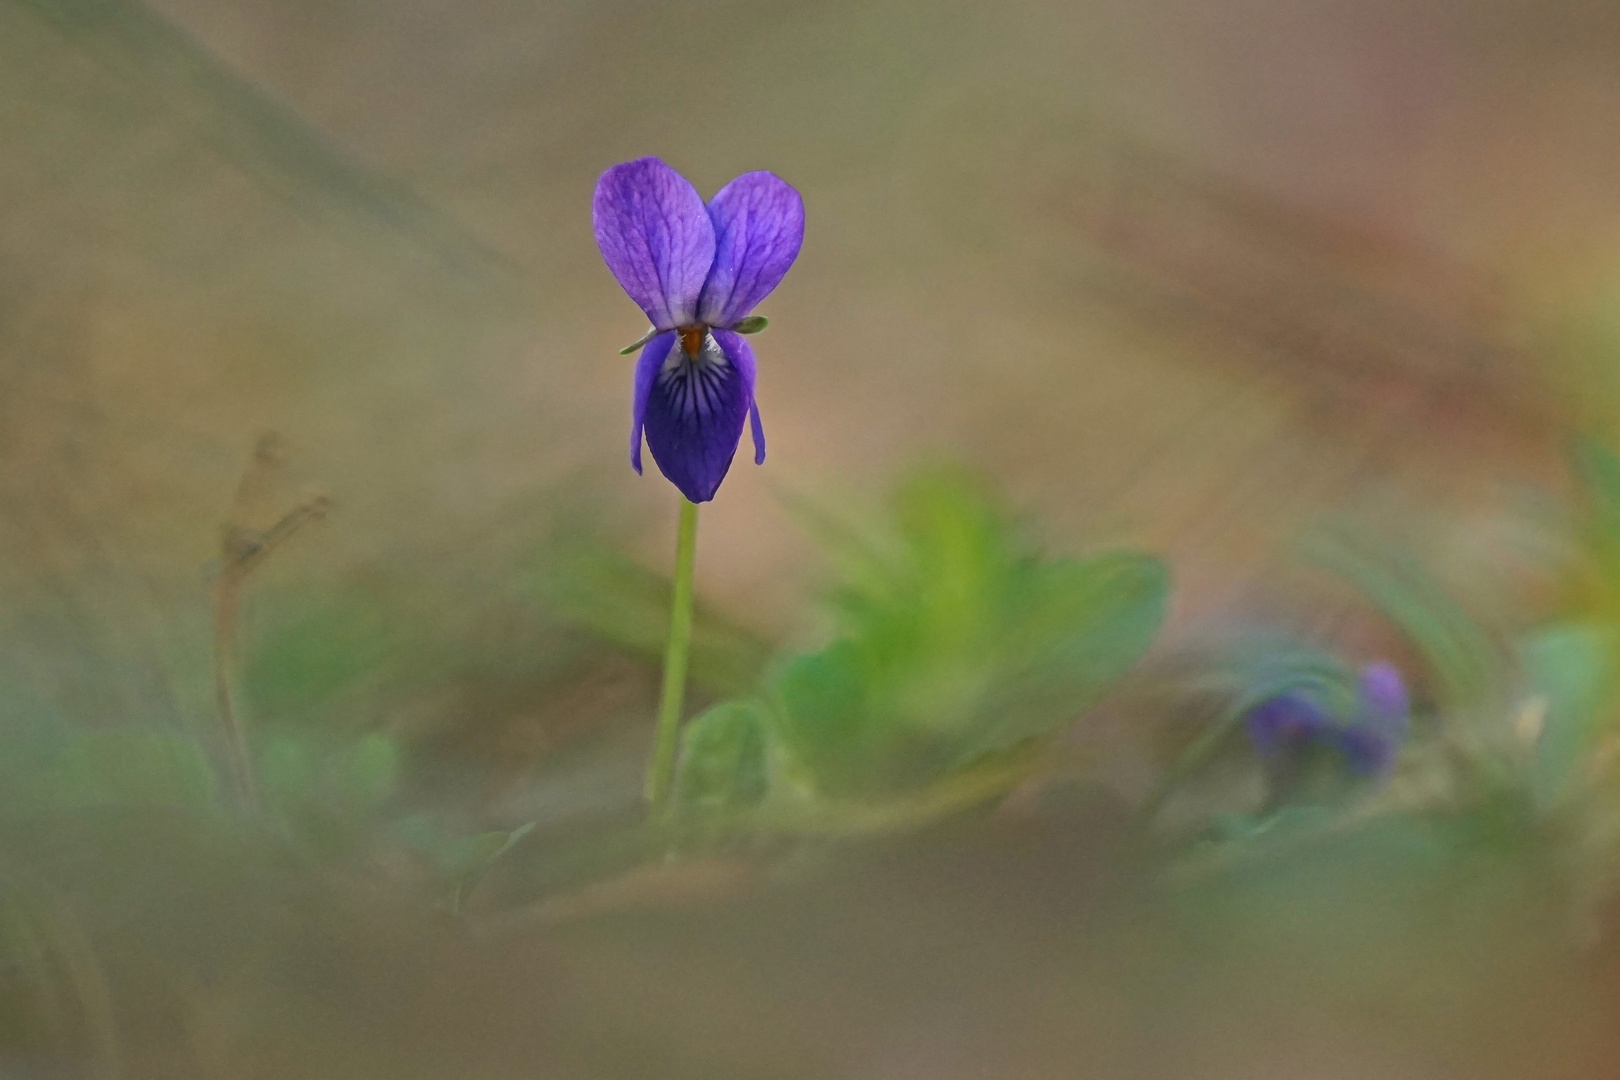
<point x="697" y="271"/>
<point x="1381" y="702"/>
<point x="1287" y="722"/>
<point x="1371" y="741"/>
<point x="1287" y="727"/>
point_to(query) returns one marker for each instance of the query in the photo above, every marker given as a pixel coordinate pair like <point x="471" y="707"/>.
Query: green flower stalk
<point x="661" y="770"/>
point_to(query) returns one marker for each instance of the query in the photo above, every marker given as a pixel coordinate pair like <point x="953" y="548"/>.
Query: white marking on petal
<point x="695" y="385"/>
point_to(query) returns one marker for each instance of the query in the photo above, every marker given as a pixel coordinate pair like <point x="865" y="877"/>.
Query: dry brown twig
<point x="243" y="549"/>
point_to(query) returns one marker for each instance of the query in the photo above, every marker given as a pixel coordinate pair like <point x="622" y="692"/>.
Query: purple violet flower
<point x="1287" y="722"/>
<point x="1286" y="727"/>
<point x="697" y="271"/>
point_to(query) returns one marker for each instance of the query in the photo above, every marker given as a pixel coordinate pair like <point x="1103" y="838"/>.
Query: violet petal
<point x="652" y="358"/>
<point x="758" y="430"/>
<point x="695" y="411"/>
<point x="758" y="226"/>
<point x="656" y="237"/>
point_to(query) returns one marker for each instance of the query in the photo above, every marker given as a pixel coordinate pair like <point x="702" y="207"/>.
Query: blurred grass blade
<point x="249" y="127"/>
<point x="1468" y="666"/>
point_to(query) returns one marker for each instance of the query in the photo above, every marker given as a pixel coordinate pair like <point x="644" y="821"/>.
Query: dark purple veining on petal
<point x="694" y="414"/>
<point x="656" y="236"/>
<point x="759" y="225"/>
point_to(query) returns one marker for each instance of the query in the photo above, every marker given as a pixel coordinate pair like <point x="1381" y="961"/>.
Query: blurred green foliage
<point x="129" y="767"/>
<point x="1569" y="667"/>
<point x="326" y="796"/>
<point x="723" y="760"/>
<point x="320" y="647"/>
<point x="955" y="641"/>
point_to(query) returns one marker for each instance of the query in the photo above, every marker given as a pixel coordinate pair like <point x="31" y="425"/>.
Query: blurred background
<point x="1210" y="280"/>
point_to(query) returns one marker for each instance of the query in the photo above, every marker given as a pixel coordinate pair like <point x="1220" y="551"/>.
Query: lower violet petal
<point x="694" y="412"/>
<point x="741" y="353"/>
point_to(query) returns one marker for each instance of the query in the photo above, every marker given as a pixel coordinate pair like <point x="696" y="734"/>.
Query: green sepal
<point x="753" y="324"/>
<point x="652" y="331"/>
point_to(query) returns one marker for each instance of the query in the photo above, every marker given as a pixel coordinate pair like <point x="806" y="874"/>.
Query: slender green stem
<point x="661" y="772"/>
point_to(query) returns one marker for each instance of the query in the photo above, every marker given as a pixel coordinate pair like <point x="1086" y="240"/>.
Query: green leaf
<point x="310" y="653"/>
<point x="458" y="856"/>
<point x="462" y="861"/>
<point x="955" y="640"/>
<point x="822" y="718"/>
<point x="1084" y="623"/>
<point x="724" y="764"/>
<point x="1571" y="667"/>
<point x="453" y="858"/>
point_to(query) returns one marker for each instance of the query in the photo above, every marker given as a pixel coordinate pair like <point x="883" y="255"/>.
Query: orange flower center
<point x="692" y="339"/>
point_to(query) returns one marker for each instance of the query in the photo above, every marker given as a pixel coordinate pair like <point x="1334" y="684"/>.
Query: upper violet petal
<point x="656" y="237"/>
<point x="695" y="411"/>
<point x="758" y="226"/>
<point x="652" y="358"/>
